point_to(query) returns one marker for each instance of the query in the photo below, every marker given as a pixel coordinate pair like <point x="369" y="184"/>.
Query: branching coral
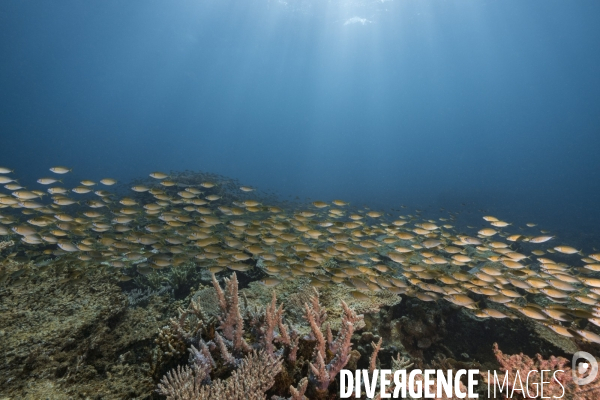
<point x="323" y="374"/>
<point x="298" y="394"/>
<point x="232" y="324"/>
<point x="175" y="337"/>
<point x="373" y="359"/>
<point x="522" y="364"/>
<point x="274" y="319"/>
<point x="253" y="372"/>
<point x="250" y="381"/>
<point x="6" y="244"/>
<point x="251" y="339"/>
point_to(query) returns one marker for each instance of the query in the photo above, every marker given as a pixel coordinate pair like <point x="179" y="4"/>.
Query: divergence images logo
<point x="582" y="368"/>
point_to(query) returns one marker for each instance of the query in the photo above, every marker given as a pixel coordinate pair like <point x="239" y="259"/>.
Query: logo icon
<point x="583" y="367"/>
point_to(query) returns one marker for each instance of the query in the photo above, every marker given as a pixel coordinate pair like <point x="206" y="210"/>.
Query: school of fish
<point x="166" y="224"/>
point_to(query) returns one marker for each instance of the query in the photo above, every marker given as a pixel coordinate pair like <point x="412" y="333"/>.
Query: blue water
<point x="479" y="107"/>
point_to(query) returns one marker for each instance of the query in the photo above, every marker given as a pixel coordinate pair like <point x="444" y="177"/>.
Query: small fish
<point x="589" y="336"/>
<point x="567" y="250"/>
<point x="60" y="170"/>
<point x="25" y="195"/>
<point x="57" y="190"/>
<point x="359" y="295"/>
<point x="532" y="312"/>
<point x="559" y="329"/>
<point x="64" y="201"/>
<point x="95" y="203"/>
<point x="250" y="203"/>
<point x="23" y="230"/>
<point x="500" y="224"/>
<point x="81" y="190"/>
<point x="47" y="181"/>
<point x="487" y="232"/>
<point x="592" y="267"/>
<point x="108" y="181"/>
<point x="493" y="313"/>
<point x="489" y="218"/>
<point x="460" y="299"/>
<point x="425" y="296"/>
<point x="67" y="246"/>
<point x="593" y="282"/>
<point x="13" y="186"/>
<point x="193" y="190"/>
<point x="540" y="239"/>
<point x="6" y="179"/>
<point x="158" y="175"/>
<point x="63" y="217"/>
<point x="595" y="321"/>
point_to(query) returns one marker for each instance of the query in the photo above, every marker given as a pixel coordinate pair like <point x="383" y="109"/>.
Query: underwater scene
<point x="300" y="199"/>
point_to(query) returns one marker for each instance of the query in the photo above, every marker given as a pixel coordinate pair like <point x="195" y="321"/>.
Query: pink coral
<point x="323" y="374"/>
<point x="522" y="364"/>
<point x="232" y="324"/>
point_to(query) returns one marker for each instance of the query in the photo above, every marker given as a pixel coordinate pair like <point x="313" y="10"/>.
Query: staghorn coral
<point x="214" y="352"/>
<point x="232" y="324"/>
<point x="373" y="359"/>
<point x="401" y="363"/>
<point x="175" y="337"/>
<point x="229" y="343"/>
<point x="522" y="364"/>
<point x="298" y="394"/>
<point x="323" y="374"/>
<point x="274" y="318"/>
<point x="296" y="292"/>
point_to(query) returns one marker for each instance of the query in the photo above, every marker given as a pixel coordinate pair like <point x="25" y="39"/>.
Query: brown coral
<point x="250" y="381"/>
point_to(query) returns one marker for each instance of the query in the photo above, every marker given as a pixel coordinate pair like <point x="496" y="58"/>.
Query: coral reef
<point x="295" y="293"/>
<point x="231" y="340"/>
<point x="560" y="386"/>
<point x="138" y="297"/>
<point x="323" y="374"/>
<point x="6" y="244"/>
<point x="250" y="381"/>
<point x="66" y="334"/>
<point x="61" y="340"/>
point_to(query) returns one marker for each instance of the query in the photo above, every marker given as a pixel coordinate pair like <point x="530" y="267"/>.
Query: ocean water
<point x="474" y="107"/>
<point x="425" y="103"/>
